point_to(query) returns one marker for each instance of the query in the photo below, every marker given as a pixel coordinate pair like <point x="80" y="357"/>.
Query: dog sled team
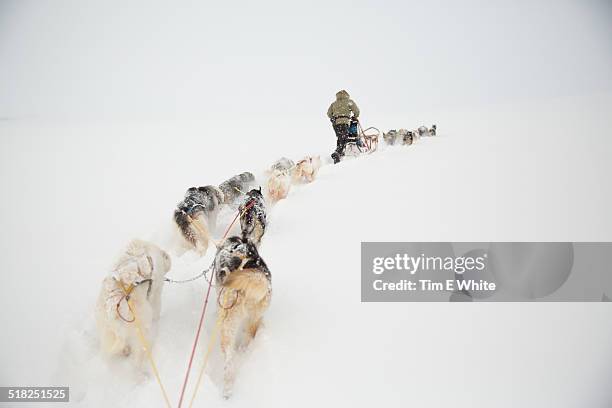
<point x="129" y="302"/>
<point x="133" y="289"/>
<point x="408" y="137"/>
<point x="344" y="116"/>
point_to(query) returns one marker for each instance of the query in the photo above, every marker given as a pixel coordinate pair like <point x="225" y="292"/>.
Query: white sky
<point x="86" y="59"/>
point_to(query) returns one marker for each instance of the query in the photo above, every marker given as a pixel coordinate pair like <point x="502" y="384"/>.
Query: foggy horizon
<point x="75" y="60"/>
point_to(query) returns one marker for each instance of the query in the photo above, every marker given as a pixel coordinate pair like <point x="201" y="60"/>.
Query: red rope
<point x="249" y="205"/>
<point x="118" y="307"/>
<point x="195" y="343"/>
<point x="201" y="323"/>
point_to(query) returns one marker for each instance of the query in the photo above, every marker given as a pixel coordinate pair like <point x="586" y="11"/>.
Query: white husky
<point x="139" y="272"/>
<point x="306" y="169"/>
<point x="279" y="183"/>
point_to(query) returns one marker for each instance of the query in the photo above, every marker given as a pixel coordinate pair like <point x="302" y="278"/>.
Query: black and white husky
<point x="253" y="216"/>
<point x="196" y="215"/>
<point x="235" y="186"/>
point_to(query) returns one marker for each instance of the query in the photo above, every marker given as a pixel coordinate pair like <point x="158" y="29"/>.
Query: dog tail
<point x="184" y="224"/>
<point x="252" y="282"/>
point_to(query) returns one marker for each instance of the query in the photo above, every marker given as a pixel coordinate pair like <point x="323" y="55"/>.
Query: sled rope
<point x="239" y="190"/>
<point x="126" y="296"/>
<point x="201" y="322"/>
<point x="118" y="310"/>
<point x="144" y="342"/>
<point x="246" y="208"/>
<point x="211" y="343"/>
<point x="195" y="345"/>
<point x="222" y="306"/>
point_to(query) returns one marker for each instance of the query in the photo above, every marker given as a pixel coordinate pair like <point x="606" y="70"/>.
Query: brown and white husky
<point x="244" y="287"/>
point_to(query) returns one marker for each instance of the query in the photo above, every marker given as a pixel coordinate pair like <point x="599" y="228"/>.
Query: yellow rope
<point x="211" y="343"/>
<point x="213" y="338"/>
<point x="145" y="344"/>
<point x="239" y="190"/>
<point x="200" y="228"/>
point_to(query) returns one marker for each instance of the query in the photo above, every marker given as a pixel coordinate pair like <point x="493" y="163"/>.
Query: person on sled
<point x="344" y="124"/>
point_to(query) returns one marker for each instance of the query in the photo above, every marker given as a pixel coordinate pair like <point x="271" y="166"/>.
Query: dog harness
<point x="127" y="292"/>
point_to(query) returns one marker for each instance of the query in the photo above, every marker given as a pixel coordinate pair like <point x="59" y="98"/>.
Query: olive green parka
<point x="340" y="110"/>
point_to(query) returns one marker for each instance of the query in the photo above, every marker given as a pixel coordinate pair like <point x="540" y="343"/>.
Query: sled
<point x="364" y="141"/>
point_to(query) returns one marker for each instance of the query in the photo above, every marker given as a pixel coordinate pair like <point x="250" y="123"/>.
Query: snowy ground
<point x="74" y="194"/>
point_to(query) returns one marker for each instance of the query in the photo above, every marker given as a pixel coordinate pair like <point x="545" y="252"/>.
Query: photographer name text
<point x="427" y="285"/>
<point x="410" y="265"/>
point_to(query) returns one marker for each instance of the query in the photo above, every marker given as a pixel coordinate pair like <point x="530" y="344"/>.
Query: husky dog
<point x="139" y="272"/>
<point x="283" y="164"/>
<point x="279" y="179"/>
<point x="245" y="290"/>
<point x="306" y="169"/>
<point x="253" y="216"/>
<point x="235" y="186"/>
<point x="197" y="214"/>
<point x="406" y="137"/>
<point x="279" y="183"/>
<point x="423" y="131"/>
<point x="390" y="137"/>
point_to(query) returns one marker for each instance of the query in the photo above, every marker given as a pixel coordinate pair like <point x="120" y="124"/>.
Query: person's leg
<point x="342" y="134"/>
<point x="339" y="144"/>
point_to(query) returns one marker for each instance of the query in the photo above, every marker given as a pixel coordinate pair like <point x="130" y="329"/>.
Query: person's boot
<point x="336" y="157"/>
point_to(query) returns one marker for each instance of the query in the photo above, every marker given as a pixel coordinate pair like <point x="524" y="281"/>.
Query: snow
<point x="81" y="191"/>
<point x="109" y="111"/>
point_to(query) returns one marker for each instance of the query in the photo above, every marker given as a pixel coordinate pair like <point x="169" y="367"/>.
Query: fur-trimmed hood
<point x="342" y="95"/>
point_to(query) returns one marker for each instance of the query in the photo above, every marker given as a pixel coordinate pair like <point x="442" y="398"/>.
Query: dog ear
<point x="252" y="250"/>
<point x="234" y="263"/>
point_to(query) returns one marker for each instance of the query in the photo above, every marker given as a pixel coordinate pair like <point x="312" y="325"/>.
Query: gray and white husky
<point x="236" y="186"/>
<point x="390" y="137"/>
<point x="196" y="215"/>
<point x="283" y="164"/>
